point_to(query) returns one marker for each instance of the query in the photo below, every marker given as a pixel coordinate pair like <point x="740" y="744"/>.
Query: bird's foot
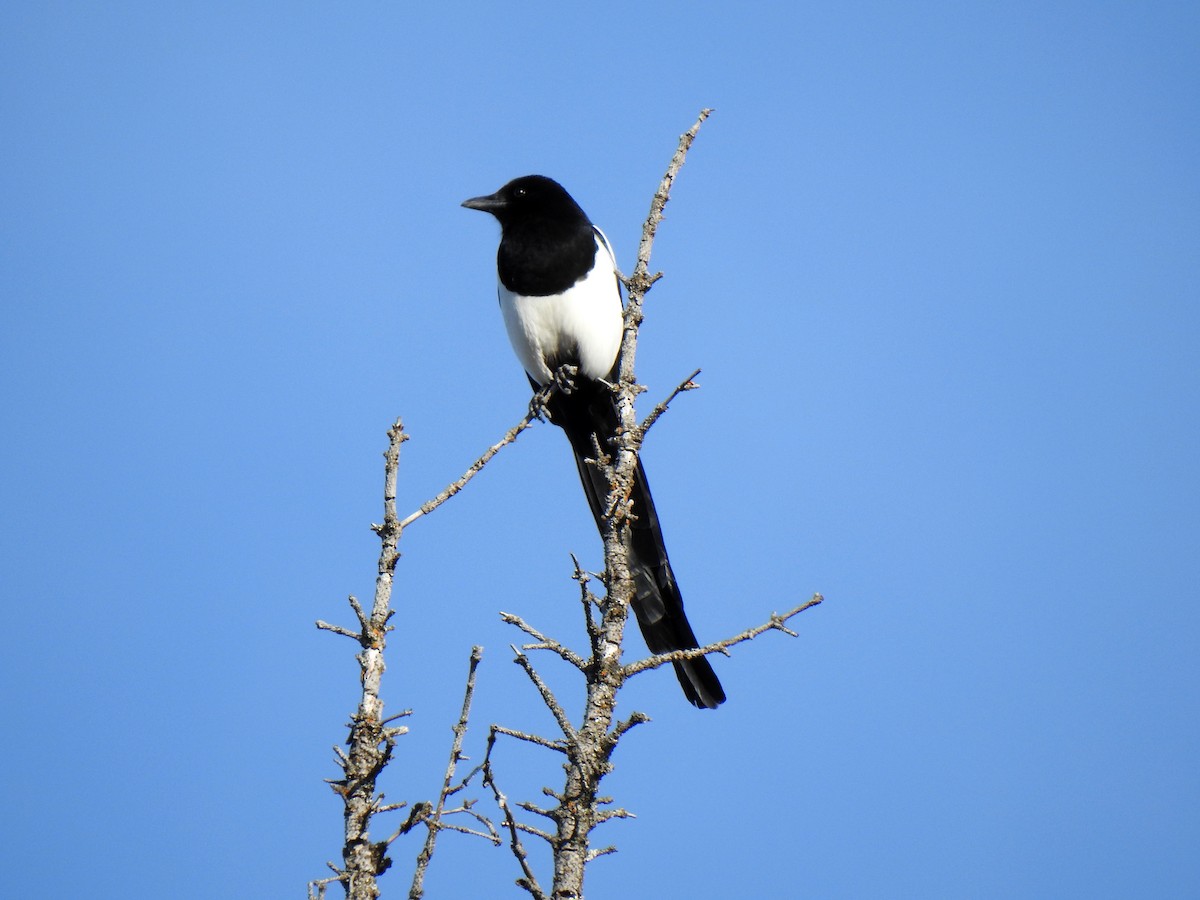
<point x="564" y="378"/>
<point x="537" y="404"/>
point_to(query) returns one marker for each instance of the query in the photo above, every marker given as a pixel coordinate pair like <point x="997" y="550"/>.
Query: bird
<point x="560" y="297"/>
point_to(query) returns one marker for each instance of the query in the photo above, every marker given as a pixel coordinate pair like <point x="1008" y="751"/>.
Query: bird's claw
<point x="537" y="406"/>
<point x="564" y="378"/>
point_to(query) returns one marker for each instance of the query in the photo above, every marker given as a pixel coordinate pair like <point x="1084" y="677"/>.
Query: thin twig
<point x="686" y="385"/>
<point x="640" y="281"/>
<point x="544" y="642"/>
<point x="338" y="629"/>
<point x="776" y="622"/>
<point x="590" y="603"/>
<point x="603" y="851"/>
<point x="637" y="718"/>
<point x="606" y="814"/>
<point x="433" y="821"/>
<point x="510" y="436"/>
<point x="560" y="716"/>
<point x="491" y="835"/>
<point x="316" y="889"/>
<point x="529" y="881"/>
<point x="530" y="738"/>
<point x="540" y="810"/>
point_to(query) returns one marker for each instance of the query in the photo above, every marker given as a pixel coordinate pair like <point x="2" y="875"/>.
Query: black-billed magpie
<point x="561" y="300"/>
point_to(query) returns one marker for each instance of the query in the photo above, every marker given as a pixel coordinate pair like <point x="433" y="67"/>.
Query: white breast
<point x="586" y="317"/>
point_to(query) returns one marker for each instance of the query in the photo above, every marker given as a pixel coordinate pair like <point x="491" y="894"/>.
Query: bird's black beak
<point x="492" y="203"/>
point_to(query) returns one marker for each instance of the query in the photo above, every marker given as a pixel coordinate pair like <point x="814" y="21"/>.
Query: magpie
<point x="561" y="301"/>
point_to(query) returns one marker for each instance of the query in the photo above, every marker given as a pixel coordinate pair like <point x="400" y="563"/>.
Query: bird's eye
<point x="519" y="192"/>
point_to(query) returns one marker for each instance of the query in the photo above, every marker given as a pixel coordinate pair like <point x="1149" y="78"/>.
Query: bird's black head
<point x="530" y="198"/>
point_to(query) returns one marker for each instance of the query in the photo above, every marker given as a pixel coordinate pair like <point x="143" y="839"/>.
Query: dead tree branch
<point x="528" y="879"/>
<point x="655" y="414"/>
<point x="371" y="740"/>
<point x="544" y="642"/>
<point x="775" y="623"/>
<point x="589" y="749"/>
<point x="474" y="469"/>
<point x="434" y="819"/>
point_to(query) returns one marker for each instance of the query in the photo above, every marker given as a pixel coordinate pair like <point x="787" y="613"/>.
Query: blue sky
<point x="940" y="265"/>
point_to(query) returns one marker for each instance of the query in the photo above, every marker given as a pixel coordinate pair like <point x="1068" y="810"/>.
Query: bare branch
<point x="540" y="810"/>
<point x="491" y="835"/>
<point x="637" y="718"/>
<point x="536" y="832"/>
<point x="603" y="851"/>
<point x="510" y="436"/>
<point x="371" y="743"/>
<point x="605" y="815"/>
<point x="316" y="889"/>
<point x="560" y="716"/>
<point x="530" y="738"/>
<point x="544" y="642"/>
<point x="433" y="822"/>
<point x="338" y="629"/>
<point x="363" y="619"/>
<point x="640" y="281"/>
<point x="529" y="882"/>
<point x="655" y="414"/>
<point x="775" y="623"/>
<point x="590" y="604"/>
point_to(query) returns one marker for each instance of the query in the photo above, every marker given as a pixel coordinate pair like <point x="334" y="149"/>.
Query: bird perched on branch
<point x="561" y="300"/>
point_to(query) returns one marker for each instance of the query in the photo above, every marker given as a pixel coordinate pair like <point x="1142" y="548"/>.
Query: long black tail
<point x="590" y="409"/>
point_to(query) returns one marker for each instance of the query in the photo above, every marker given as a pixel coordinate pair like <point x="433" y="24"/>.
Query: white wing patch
<point x="585" y="320"/>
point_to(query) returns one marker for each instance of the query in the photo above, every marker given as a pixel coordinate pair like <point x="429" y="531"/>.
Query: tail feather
<point x="658" y="605"/>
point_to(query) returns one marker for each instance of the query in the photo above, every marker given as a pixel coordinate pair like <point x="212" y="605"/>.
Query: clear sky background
<point x="940" y="264"/>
